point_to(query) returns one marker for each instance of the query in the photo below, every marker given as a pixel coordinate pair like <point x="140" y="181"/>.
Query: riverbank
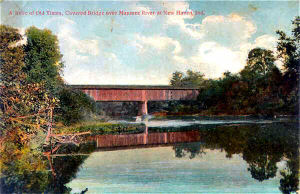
<point x="221" y="115"/>
<point x="100" y="128"/>
<point x="225" y="116"/>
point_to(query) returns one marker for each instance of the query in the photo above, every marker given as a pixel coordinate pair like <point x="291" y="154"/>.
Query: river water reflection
<point x="185" y="155"/>
<point x="195" y="156"/>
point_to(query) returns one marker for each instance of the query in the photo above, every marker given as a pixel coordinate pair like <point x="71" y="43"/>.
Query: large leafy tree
<point x="43" y="65"/>
<point x="259" y="63"/>
<point x="260" y="74"/>
<point x="43" y="59"/>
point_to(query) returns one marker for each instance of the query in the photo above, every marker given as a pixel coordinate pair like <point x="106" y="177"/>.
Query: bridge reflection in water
<point x="109" y="142"/>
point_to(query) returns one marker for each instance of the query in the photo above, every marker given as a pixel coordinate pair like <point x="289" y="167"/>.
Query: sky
<point x="147" y="49"/>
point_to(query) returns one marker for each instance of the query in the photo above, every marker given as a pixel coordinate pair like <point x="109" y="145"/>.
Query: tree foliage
<point x="259" y="63"/>
<point x="74" y="106"/>
<point x="22" y="102"/>
<point x="190" y="79"/>
<point x="289" y="51"/>
<point x="43" y="59"/>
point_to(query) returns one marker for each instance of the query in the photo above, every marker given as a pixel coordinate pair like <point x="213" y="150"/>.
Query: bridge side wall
<point x="140" y="95"/>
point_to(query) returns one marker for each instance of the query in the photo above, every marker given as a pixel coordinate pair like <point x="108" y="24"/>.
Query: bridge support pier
<point x="143" y="109"/>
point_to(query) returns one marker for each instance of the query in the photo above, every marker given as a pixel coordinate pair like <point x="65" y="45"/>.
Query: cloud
<point x="214" y="59"/>
<point x="85" y="59"/>
<point x="231" y="30"/>
<point x="157" y="42"/>
<point x="75" y="51"/>
<point x="265" y="41"/>
<point x="180" y="60"/>
<point x="193" y="30"/>
<point x="88" y="76"/>
<point x="77" y="46"/>
<point x="164" y="53"/>
<point x="268" y="42"/>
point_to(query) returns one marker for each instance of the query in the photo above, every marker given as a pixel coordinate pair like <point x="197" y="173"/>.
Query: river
<point x="195" y="155"/>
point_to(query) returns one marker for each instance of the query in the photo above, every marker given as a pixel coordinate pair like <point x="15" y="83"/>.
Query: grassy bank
<point x="99" y="128"/>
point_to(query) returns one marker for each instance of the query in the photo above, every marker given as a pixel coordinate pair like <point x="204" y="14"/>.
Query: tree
<point x="290" y="176"/>
<point x="12" y="62"/>
<point x="259" y="63"/>
<point x="289" y="51"/>
<point x="24" y="105"/>
<point x="176" y="78"/>
<point x="43" y="59"/>
<point x="74" y="106"/>
<point x="211" y="94"/>
<point x="12" y="78"/>
<point x="23" y="108"/>
<point x="190" y="79"/>
<point x="194" y="79"/>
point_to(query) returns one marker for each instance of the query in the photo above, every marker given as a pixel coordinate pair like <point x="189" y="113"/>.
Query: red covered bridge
<point x="138" y="93"/>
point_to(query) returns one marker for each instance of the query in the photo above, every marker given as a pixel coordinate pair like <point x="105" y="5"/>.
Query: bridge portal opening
<point x="122" y="108"/>
<point x="118" y="108"/>
<point x="178" y="107"/>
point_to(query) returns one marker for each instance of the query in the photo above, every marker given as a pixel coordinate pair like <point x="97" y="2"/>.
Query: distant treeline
<point x="261" y="88"/>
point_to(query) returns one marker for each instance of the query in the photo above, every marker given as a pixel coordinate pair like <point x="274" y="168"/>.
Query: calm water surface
<point x="159" y="170"/>
<point x="248" y="156"/>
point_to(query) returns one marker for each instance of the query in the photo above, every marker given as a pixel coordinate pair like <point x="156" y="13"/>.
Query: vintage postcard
<point x="149" y="96"/>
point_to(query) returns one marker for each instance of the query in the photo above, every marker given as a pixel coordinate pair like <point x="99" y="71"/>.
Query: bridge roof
<point x="134" y="87"/>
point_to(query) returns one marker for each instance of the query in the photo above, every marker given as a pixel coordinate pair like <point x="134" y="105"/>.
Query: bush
<point x="74" y="106"/>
